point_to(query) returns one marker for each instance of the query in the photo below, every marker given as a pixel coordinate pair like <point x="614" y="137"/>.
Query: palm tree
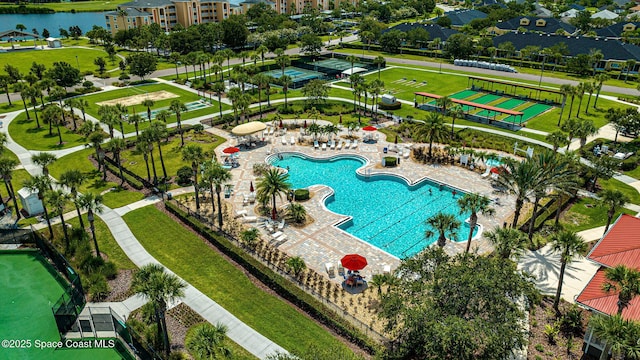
<point x="148" y="103"/>
<point x="296" y="212"/>
<point x="286" y="81"/>
<point x="614" y="332"/>
<point x="630" y="65"/>
<point x="235" y="95"/>
<point x="121" y="111"/>
<point x="624" y="281"/>
<point x="73" y="179"/>
<point x="135" y="119"/>
<point x="433" y="129"/>
<point x="557" y="139"/>
<point x="352" y="59"/>
<point x="58" y="92"/>
<point x="41" y="184"/>
<point x="455" y="112"/>
<point x="178" y="107"/>
<point x="507" y="242"/>
<point x="58" y="199"/>
<point x="95" y="140"/>
<point x="379" y="61"/>
<point x="93" y="204"/>
<point x="376" y="87"/>
<point x="296" y="264"/>
<point x="175" y="58"/>
<point x="44" y="160"/>
<point x="272" y="184"/>
<point x="206" y="341"/>
<point x="444" y="102"/>
<point x="580" y="90"/>
<point x="566" y="91"/>
<point x="585" y="129"/>
<point x="6" y="168"/>
<point x="612" y="199"/>
<point x="157" y="131"/>
<point x="356" y="80"/>
<point x="160" y="288"/>
<point x="193" y="153"/>
<point x="283" y="61"/>
<point x="474" y="203"/>
<point x="570" y="245"/>
<point x="53" y="115"/>
<point x="5" y="82"/>
<point x="444" y="224"/>
<point x="590" y="88"/>
<point x="600" y="79"/>
<point x="142" y="146"/>
<point x="259" y="80"/>
<point x="108" y="116"/>
<point x="262" y="49"/>
<point x="518" y="179"/>
<point x="23" y="89"/>
<point x="216" y="176"/>
<point x="116" y="146"/>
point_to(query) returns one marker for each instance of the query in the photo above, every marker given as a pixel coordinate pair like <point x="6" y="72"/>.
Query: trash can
<point x="169" y="196"/>
<point x="384" y="150"/>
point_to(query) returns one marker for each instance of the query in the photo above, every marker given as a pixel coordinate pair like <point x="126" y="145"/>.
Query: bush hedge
<point x="390" y="161"/>
<point x="301" y="194"/>
<point x="276" y="282"/>
<point x="395" y="106"/>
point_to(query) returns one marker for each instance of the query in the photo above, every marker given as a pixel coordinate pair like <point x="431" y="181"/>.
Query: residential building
<point x="619" y="246"/>
<point x="533" y="24"/>
<point x="460" y="18"/>
<point x="616" y="31"/>
<point x="435" y="31"/>
<point x="605" y="14"/>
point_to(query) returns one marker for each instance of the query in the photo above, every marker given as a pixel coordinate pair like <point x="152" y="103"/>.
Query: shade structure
<point x="231" y="150"/>
<point x="251" y="189"/>
<point x="354" y="262"/>
<point x="369" y="128"/>
<point x="248" y="128"/>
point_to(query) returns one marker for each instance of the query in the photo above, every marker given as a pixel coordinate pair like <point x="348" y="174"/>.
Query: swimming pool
<point x="386" y="212"/>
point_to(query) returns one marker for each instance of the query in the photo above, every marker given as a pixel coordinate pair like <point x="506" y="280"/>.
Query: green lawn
<point x="172" y="154"/>
<point x="190" y="258"/>
<point x="183" y="95"/>
<point x="18" y="177"/>
<point x="5" y="107"/>
<point x="114" y="198"/>
<point x="613" y="184"/>
<point x="80" y="5"/>
<point x="23" y="59"/>
<point x="106" y="242"/>
<point x="25" y="133"/>
<point x="586" y="214"/>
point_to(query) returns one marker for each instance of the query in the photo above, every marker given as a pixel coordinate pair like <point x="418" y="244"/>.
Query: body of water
<point x="386" y="211"/>
<point x="53" y="22"/>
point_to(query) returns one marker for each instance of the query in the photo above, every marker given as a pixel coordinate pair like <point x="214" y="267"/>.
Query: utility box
<point x="388" y="99"/>
<point x="30" y="202"/>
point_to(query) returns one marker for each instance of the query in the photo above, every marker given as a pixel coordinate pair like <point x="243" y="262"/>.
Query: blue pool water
<point x="387" y="213"/>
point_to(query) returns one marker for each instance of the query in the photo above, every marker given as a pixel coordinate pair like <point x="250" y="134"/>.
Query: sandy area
<point x="138" y="99"/>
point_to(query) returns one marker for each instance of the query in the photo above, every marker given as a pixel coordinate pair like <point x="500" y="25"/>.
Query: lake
<point x="53" y="22"/>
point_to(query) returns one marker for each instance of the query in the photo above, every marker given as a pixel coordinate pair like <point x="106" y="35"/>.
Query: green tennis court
<point x="296" y="74"/>
<point x="463" y="94"/>
<point x="485" y="99"/>
<point x="507" y="105"/>
<point x="336" y="64"/>
<point x="30" y="287"/>
<point x="534" y="110"/>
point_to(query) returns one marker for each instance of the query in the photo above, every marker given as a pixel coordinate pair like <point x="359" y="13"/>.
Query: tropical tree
<point x="82" y="105"/>
<point x="585" y="129"/>
<point x="444" y="102"/>
<point x="6" y="169"/>
<point x="352" y="59"/>
<point x="273" y="184"/>
<point x="507" y="242"/>
<point x="194" y="154"/>
<point x="23" y="89"/>
<point x="54" y="115"/>
<point x="590" y="88"/>
<point x="178" y="107"/>
<point x="474" y="203"/>
<point x="58" y="199"/>
<point x="160" y="288"/>
<point x="296" y="212"/>
<point x="620" y="336"/>
<point x="612" y="199"/>
<point x="73" y="179"/>
<point x="205" y="341"/>
<point x="121" y="111"/>
<point x="296" y="264"/>
<point x="116" y="146"/>
<point x="624" y="281"/>
<point x="5" y="83"/>
<point x="216" y="176"/>
<point x="143" y="147"/>
<point x="41" y="184"/>
<point x="519" y="179"/>
<point x="148" y="103"/>
<point x="581" y="88"/>
<point x="237" y="97"/>
<point x="156" y="132"/>
<point x="600" y="79"/>
<point x="433" y="129"/>
<point x="455" y="112"/>
<point x="379" y="61"/>
<point x="569" y="245"/>
<point x="444" y="224"/>
<point x="135" y="119"/>
<point x="286" y="81"/>
<point x="93" y="204"/>
<point x="44" y="160"/>
<point x="283" y="61"/>
<point x="557" y="139"/>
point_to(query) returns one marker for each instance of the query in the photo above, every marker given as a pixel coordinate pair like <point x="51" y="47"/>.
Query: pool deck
<point x="321" y="242"/>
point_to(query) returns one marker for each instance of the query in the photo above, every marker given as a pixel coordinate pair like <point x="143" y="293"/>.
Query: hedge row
<point x="277" y="282"/>
<point x="138" y="185"/>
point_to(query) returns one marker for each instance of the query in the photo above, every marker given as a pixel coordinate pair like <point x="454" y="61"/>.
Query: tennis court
<point x="296" y="74"/>
<point x="485" y="99"/>
<point x="337" y="64"/>
<point x="508" y="105"/>
<point x="534" y="110"/>
<point x="30" y="286"/>
<point x="464" y="94"/>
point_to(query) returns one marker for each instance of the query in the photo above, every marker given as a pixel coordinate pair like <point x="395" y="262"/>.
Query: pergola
<point x="12" y="34"/>
<point x="469" y="104"/>
<point x="511" y="89"/>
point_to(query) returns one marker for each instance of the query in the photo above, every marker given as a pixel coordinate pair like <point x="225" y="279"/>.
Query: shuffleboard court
<point x="463" y="94"/>
<point x="534" y="110"/>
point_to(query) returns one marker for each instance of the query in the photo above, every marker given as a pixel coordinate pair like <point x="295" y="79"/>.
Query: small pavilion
<point x="13" y="35"/>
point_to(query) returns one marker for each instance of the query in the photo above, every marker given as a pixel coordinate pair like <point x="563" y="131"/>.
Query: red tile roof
<point x="620" y="245"/>
<point x="595" y="298"/>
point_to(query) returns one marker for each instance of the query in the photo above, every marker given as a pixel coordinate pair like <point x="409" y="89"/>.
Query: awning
<point x="355" y="70"/>
<point x="248" y="128"/>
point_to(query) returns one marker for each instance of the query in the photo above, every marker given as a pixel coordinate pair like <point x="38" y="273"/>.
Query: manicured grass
<point x="184" y="96"/>
<point x="23" y="59"/>
<point x="25" y="133"/>
<point x="5" y="107"/>
<point x="171" y="153"/>
<point x="106" y="242"/>
<point x="81" y="5"/>
<point x="587" y="214"/>
<point x="613" y="184"/>
<point x="18" y="177"/>
<point x="190" y="258"/>
<point x="79" y="160"/>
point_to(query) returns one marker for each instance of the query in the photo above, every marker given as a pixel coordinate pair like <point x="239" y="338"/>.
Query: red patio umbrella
<point x="369" y="128"/>
<point x="251" y="187"/>
<point x="231" y="150"/>
<point x="354" y="262"/>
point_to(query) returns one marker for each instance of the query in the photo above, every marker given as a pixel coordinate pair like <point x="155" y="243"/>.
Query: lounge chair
<point x="333" y="144"/>
<point x="339" y="147"/>
<point x="281" y="238"/>
<point x="386" y="269"/>
<point x="406" y="153"/>
<point x="315" y="144"/>
<point x="246" y="218"/>
<point x="292" y="141"/>
<point x="340" y="270"/>
<point x="245" y="200"/>
<point x="330" y="269"/>
<point x="252" y="197"/>
<point x="241" y="213"/>
<point x="284" y="140"/>
<point x="277" y="234"/>
<point x="281" y="225"/>
<point x="347" y="144"/>
<point x="324" y="146"/>
<point x="354" y="144"/>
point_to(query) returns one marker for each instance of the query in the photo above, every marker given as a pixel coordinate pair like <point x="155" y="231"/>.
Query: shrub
<point x="301" y="194"/>
<point x="551" y="331"/>
<point x="540" y="347"/>
<point x="395" y="106"/>
<point x="629" y="164"/>
<point x="572" y="320"/>
<point x="92" y="264"/>
<point x="98" y="287"/>
<point x="109" y="270"/>
<point x="184" y="176"/>
<point x="286" y="110"/>
<point x="87" y="84"/>
<point x="390" y="161"/>
<point x="259" y="169"/>
<point x="124" y="76"/>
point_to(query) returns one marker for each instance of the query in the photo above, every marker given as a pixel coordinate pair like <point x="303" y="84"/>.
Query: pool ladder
<point x="367" y="173"/>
